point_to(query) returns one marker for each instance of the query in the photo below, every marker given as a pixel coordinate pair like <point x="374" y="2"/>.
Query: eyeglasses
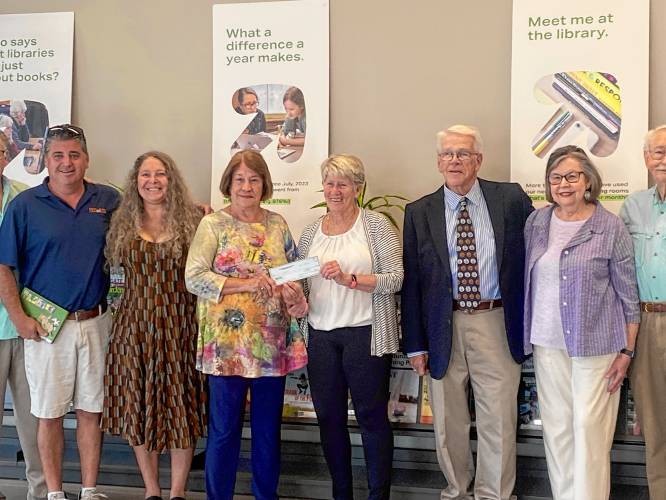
<point x="657" y="154"/>
<point x="462" y="155"/>
<point x="571" y="178"/>
<point x="250" y="104"/>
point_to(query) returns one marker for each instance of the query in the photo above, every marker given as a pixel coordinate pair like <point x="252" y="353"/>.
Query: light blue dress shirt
<point x="644" y="213"/>
<point x="9" y="190"/>
<point x="483" y="234"/>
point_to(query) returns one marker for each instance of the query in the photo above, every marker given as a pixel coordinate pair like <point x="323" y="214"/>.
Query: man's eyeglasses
<point x="251" y="104"/>
<point x="571" y="178"/>
<point x="657" y="154"/>
<point x="462" y="155"/>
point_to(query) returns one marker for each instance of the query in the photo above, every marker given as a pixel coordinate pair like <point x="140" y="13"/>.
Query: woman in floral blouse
<point x="248" y="339"/>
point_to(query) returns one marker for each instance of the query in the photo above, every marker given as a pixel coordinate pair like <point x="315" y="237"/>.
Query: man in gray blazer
<point x="462" y="313"/>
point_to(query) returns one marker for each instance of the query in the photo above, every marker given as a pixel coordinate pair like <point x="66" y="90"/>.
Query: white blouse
<point x="337" y="306"/>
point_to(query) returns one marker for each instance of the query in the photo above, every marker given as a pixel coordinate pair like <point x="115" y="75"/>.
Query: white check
<point x="294" y="271"/>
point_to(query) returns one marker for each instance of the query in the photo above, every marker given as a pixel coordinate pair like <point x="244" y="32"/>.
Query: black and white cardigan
<point x="386" y="258"/>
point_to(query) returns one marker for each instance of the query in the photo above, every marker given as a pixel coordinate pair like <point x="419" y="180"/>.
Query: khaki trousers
<point x="578" y="415"/>
<point x="12" y="370"/>
<point x="480" y="355"/>
<point x="648" y="383"/>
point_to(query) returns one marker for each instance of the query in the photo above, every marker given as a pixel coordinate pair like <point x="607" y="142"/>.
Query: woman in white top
<point x="352" y="325"/>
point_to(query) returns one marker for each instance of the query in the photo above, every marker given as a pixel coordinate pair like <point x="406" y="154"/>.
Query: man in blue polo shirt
<point x="53" y="236"/>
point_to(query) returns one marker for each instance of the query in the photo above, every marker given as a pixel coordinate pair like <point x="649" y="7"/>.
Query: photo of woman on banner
<point x="246" y="102"/>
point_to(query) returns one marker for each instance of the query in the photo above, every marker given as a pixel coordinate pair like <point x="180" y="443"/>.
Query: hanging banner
<point x="270" y="94"/>
<point x="580" y="76"/>
<point x="35" y="85"/>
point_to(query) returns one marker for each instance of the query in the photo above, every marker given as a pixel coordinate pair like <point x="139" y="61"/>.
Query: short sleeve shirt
<point x="58" y="251"/>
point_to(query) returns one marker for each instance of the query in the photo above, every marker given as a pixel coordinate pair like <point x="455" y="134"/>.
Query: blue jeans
<point x="340" y="361"/>
<point x="227" y="396"/>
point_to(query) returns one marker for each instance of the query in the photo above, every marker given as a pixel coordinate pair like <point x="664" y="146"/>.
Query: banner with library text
<point x="269" y="73"/>
<point x="580" y="76"/>
<point x="36" y="53"/>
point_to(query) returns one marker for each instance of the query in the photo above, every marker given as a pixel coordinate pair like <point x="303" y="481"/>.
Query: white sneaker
<point x="56" y="495"/>
<point x="90" y="494"/>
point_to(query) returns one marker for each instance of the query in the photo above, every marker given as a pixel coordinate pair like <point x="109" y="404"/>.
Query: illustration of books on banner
<point x="589" y="113"/>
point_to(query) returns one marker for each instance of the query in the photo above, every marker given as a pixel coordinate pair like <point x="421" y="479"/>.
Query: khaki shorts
<point x="69" y="372"/>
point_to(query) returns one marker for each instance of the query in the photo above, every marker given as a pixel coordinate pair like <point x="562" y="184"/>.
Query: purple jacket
<point x="598" y="290"/>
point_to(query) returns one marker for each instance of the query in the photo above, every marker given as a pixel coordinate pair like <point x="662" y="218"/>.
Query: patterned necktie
<point x="469" y="284"/>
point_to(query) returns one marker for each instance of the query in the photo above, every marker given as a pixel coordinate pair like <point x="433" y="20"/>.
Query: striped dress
<point x="153" y="394"/>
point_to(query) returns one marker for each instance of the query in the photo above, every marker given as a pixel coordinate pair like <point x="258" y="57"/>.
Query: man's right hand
<point x="419" y="363"/>
<point x="29" y="329"/>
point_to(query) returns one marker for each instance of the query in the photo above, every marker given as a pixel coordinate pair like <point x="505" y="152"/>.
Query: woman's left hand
<point x="294" y="298"/>
<point x="617" y="371"/>
<point x="331" y="271"/>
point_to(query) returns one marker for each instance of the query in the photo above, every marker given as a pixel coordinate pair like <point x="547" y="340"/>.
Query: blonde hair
<point x="344" y="165"/>
<point x="181" y="216"/>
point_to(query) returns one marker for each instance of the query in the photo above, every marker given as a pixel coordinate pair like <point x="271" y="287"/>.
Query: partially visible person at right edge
<point x="644" y="213"/>
<point x="581" y="320"/>
<point x="12" y="364"/>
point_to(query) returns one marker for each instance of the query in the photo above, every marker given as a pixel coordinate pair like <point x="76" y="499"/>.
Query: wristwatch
<point x="628" y="352"/>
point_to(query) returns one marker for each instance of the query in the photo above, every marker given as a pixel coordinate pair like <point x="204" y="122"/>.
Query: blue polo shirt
<point x="59" y="251"/>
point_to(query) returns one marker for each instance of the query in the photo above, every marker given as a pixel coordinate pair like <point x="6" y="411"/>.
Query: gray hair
<point x="344" y="165"/>
<point x="16" y="107"/>
<point x="589" y="170"/>
<point x="6" y="121"/>
<point x="650" y="136"/>
<point x="461" y="130"/>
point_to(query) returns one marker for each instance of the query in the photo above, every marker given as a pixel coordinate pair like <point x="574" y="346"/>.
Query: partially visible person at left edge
<point x="53" y="235"/>
<point x="12" y="365"/>
<point x="644" y="213"/>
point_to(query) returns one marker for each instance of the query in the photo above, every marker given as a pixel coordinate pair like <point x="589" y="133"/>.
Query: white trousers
<point x="578" y="415"/>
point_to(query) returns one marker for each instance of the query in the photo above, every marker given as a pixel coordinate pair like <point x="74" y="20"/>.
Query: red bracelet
<point x="354" y="282"/>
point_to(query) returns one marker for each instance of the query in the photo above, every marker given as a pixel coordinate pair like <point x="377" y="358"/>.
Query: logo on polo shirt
<point x="94" y="210"/>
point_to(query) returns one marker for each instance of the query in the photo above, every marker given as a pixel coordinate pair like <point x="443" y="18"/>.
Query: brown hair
<point x="295" y="95"/>
<point x="255" y="162"/>
<point x="181" y="216"/>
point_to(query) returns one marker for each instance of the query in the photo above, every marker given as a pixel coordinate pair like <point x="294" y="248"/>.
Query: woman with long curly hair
<point x="154" y="396"/>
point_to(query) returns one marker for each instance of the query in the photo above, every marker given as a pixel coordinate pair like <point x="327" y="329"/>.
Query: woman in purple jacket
<point x="581" y="321"/>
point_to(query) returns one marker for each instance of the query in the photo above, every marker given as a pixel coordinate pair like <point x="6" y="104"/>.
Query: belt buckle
<point x="646" y="307"/>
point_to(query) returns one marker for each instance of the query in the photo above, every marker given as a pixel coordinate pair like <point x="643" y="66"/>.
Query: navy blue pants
<point x="340" y="361"/>
<point x="227" y="396"/>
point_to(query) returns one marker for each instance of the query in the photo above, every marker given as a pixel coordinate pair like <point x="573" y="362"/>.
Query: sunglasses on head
<point x="65" y="130"/>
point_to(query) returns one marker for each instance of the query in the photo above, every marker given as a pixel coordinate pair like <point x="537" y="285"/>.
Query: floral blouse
<point x="242" y="333"/>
